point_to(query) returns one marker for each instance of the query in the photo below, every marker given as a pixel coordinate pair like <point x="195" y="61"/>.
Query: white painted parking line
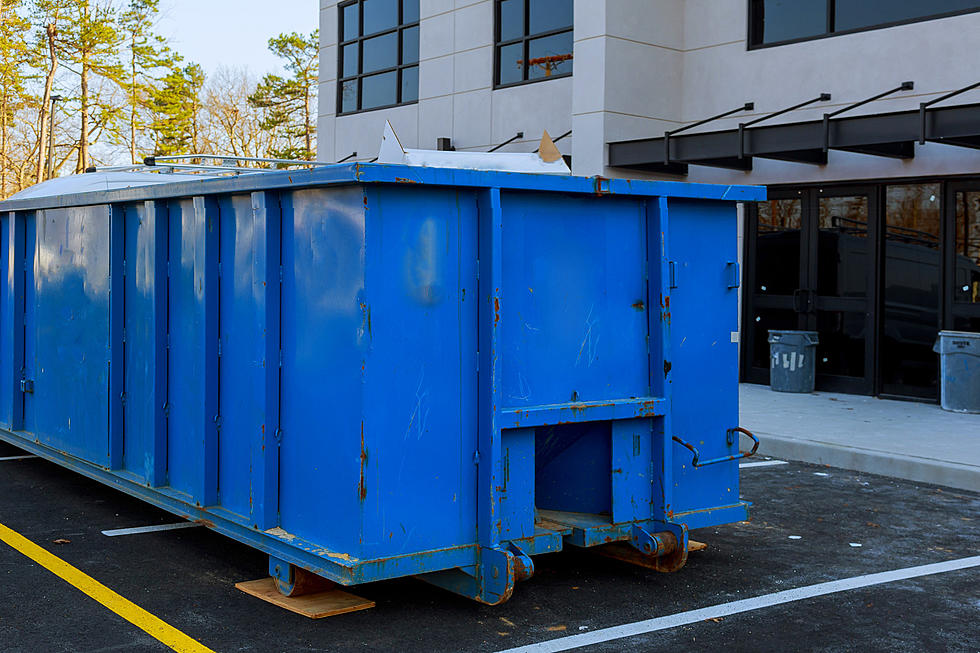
<point x="16" y="458"/>
<point x="151" y="529"/>
<point x="763" y="463"/>
<point x="745" y="605"/>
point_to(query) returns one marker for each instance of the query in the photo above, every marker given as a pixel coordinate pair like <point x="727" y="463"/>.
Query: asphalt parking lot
<point x="809" y="525"/>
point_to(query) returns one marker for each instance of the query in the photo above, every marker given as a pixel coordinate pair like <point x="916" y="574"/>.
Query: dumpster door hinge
<point x="672" y="267"/>
<point x="27" y="386"/>
<point x="476" y="457"/>
<point x="219" y="269"/>
<point x="219" y="347"/>
<point x="217" y="422"/>
<point x="124" y="334"/>
<point x="281" y="273"/>
<point x="122" y="398"/>
<point x="124" y="268"/>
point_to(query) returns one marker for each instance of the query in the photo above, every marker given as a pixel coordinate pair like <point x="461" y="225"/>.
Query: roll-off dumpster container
<point x="376" y="371"/>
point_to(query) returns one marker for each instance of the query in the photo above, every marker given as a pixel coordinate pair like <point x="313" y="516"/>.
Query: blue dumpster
<point x="377" y="371"/>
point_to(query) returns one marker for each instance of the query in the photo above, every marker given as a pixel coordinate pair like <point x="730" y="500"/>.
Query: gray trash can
<point x="959" y="367"/>
<point x="792" y="360"/>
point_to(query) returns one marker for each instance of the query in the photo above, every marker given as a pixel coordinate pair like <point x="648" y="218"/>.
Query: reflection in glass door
<point x="912" y="278"/>
<point x="876" y="270"/>
<point x="964" y="264"/>
<point x="775" y="273"/>
<point x="841" y="281"/>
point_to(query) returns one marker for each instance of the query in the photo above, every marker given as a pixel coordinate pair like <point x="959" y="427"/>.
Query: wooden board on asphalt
<point x="314" y="606"/>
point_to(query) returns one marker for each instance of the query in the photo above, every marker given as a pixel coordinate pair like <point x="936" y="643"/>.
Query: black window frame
<point x="399" y="69"/>
<point x="525" y="40"/>
<point x="829" y="26"/>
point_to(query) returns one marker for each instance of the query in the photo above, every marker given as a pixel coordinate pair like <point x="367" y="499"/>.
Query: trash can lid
<point x="958" y="334"/>
<point x="799" y="337"/>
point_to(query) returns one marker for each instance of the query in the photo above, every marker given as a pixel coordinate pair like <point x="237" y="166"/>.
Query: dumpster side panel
<point x="145" y="453"/>
<point x="574" y="290"/>
<point x="30" y="320"/>
<point x="418" y="476"/>
<point x="704" y="365"/>
<point x="8" y="312"/>
<point x="72" y="304"/>
<point x="189" y="357"/>
<point x="241" y="398"/>
<point x="325" y="334"/>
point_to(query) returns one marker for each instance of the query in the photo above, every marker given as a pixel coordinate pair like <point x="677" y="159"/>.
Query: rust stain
<point x="205" y="522"/>
<point x="404" y="180"/>
<point x="496" y="310"/>
<point x="667" y="367"/>
<point x="361" y="485"/>
<point x="639" y="305"/>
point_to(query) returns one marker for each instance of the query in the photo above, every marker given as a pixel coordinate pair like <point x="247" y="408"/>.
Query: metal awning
<point x="887" y="135"/>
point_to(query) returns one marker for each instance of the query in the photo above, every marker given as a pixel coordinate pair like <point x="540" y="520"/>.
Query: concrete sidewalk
<point x="914" y="441"/>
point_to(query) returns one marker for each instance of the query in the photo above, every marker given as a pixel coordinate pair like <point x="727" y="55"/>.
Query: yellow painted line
<point x="125" y="608"/>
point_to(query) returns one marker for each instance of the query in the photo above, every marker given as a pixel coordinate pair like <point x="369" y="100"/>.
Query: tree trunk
<point x="132" y="100"/>
<point x="309" y="128"/>
<point x="42" y="140"/>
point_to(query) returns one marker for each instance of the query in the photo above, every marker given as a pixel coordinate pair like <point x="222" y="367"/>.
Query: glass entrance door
<point x="774" y="277"/>
<point x="912" y="278"/>
<point x="810" y="261"/>
<point x="876" y="270"/>
<point x="840" y="287"/>
<point x="963" y="265"/>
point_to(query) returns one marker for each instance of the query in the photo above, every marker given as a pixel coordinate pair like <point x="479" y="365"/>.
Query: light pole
<point x="54" y="99"/>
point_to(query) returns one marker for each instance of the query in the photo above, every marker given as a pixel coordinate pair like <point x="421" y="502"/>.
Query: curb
<point x="922" y="470"/>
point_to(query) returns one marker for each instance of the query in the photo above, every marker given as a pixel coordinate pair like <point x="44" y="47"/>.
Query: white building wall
<point x="720" y="73"/>
<point x="456" y="96"/>
<point x="645" y="66"/>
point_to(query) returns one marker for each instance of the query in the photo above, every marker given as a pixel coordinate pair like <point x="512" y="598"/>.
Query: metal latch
<point x="729" y="438"/>
<point x="27" y="385"/>
<point x="733" y="274"/>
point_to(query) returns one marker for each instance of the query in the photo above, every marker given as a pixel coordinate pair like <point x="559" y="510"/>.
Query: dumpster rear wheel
<point x="293" y="581"/>
<point x="663" y="551"/>
<point x="304" y="582"/>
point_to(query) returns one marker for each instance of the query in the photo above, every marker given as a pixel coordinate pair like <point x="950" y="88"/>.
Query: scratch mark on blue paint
<point x="591" y="340"/>
<point x="420" y="414"/>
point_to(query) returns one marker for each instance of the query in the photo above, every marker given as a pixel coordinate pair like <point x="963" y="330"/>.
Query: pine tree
<point x="147" y="54"/>
<point x="90" y="39"/>
<point x="289" y="101"/>
<point x="176" y="106"/>
<point x="15" y="55"/>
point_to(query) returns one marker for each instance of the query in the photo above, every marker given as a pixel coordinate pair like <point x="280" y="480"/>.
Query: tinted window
<point x="857" y="14"/>
<point x="511" y="19"/>
<point x="380" y="15"/>
<point x="549" y="15"/>
<point x="550" y="55"/>
<point x="534" y="40"/>
<point x="777" y="21"/>
<point x="379" y="90"/>
<point x="783" y="20"/>
<point x="379" y="54"/>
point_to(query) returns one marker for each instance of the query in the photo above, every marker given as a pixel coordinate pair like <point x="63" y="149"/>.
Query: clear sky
<point x="234" y="32"/>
